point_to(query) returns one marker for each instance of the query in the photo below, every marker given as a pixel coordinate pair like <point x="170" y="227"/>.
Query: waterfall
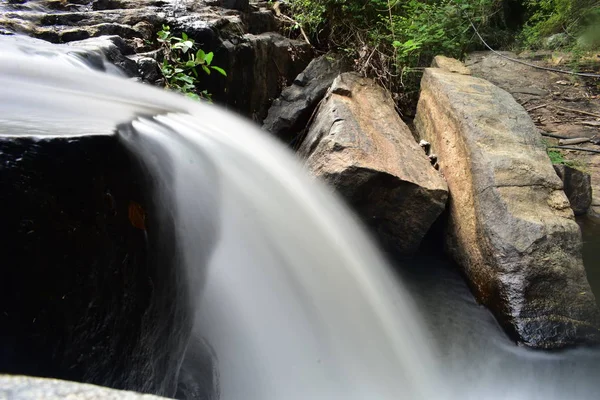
<point x="283" y="283"/>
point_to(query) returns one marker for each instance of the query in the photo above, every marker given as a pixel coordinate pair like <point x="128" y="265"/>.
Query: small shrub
<point x="180" y="63"/>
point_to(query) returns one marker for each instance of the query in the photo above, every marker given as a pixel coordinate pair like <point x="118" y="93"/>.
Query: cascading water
<point x="297" y="302"/>
<point x="290" y="293"/>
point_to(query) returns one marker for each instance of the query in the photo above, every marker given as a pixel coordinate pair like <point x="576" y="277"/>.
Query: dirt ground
<point x="559" y="104"/>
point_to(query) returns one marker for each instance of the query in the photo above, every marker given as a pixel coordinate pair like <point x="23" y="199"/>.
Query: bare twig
<point x="536" y="107"/>
<point x="553" y="135"/>
<point x="292" y="20"/>
<point x="562" y="142"/>
<point x="577" y="111"/>
<point x="574" y="148"/>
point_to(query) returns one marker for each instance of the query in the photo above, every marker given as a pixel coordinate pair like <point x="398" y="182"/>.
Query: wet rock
<point x="148" y="69"/>
<point x="262" y="20"/>
<point x="510" y="225"/>
<point x="290" y="112"/>
<point x="240" y="5"/>
<point x="577" y="186"/>
<point x="359" y="145"/>
<point x="29" y="388"/>
<point x="92" y="293"/>
<point x="258" y="66"/>
<point x="111" y="48"/>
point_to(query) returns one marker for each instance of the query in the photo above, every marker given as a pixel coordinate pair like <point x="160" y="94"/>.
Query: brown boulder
<point x="510" y="225"/>
<point x="358" y="143"/>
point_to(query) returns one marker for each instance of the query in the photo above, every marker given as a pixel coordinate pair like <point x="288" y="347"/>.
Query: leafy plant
<point x="180" y="63"/>
<point x="391" y="40"/>
<point x="558" y="158"/>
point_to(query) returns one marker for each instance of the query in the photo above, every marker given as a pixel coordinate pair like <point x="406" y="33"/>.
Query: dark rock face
<point x="290" y="112"/>
<point x="359" y="145"/>
<point x="261" y="66"/>
<point x="91" y="289"/>
<point x="240" y="5"/>
<point x="259" y="63"/>
<point x="578" y="188"/>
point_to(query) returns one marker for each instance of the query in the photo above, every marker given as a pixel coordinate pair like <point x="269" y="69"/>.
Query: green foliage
<point x="391" y="39"/>
<point x="558" y="158"/>
<point x="578" y="21"/>
<point x="180" y="63"/>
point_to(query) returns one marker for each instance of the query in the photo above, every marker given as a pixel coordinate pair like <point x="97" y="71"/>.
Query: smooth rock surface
<point x="577" y="186"/>
<point x="510" y="225"/>
<point x="450" y="65"/>
<point x="30" y="388"/>
<point x="290" y="113"/>
<point x="358" y="144"/>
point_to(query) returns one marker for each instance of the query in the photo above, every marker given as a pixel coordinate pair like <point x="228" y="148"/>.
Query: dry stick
<point x="554" y="136"/>
<point x="577" y="111"/>
<point x="574" y="148"/>
<point x="299" y="26"/>
<point x="573" y="141"/>
<point x="536" y="107"/>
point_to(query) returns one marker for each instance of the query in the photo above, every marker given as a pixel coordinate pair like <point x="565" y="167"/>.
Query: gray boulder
<point x="359" y="145"/>
<point x="290" y="112"/>
<point x="510" y="225"/>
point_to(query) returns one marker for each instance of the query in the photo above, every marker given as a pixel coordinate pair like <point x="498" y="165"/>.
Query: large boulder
<point x="510" y="225"/>
<point x="578" y="188"/>
<point x="289" y="114"/>
<point x="358" y="143"/>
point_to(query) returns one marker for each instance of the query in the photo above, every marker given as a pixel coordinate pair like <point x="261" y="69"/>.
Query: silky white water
<point x="297" y="302"/>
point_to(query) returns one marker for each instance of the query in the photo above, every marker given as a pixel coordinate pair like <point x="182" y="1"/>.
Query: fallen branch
<point x="573" y="141"/>
<point x="536" y="107"/>
<point x="290" y="19"/>
<point x="554" y="136"/>
<point x="577" y="111"/>
<point x="574" y="148"/>
<point x="589" y="123"/>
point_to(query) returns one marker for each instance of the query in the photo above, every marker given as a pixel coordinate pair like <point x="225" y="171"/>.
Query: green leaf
<point x="209" y="58"/>
<point x="184" y="36"/>
<point x="219" y="70"/>
<point x="205" y="68"/>
<point x="185" y="78"/>
<point x="190" y="64"/>
<point x="200" y="56"/>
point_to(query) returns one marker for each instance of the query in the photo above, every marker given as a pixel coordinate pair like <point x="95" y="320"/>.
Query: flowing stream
<point x="297" y="302"/>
